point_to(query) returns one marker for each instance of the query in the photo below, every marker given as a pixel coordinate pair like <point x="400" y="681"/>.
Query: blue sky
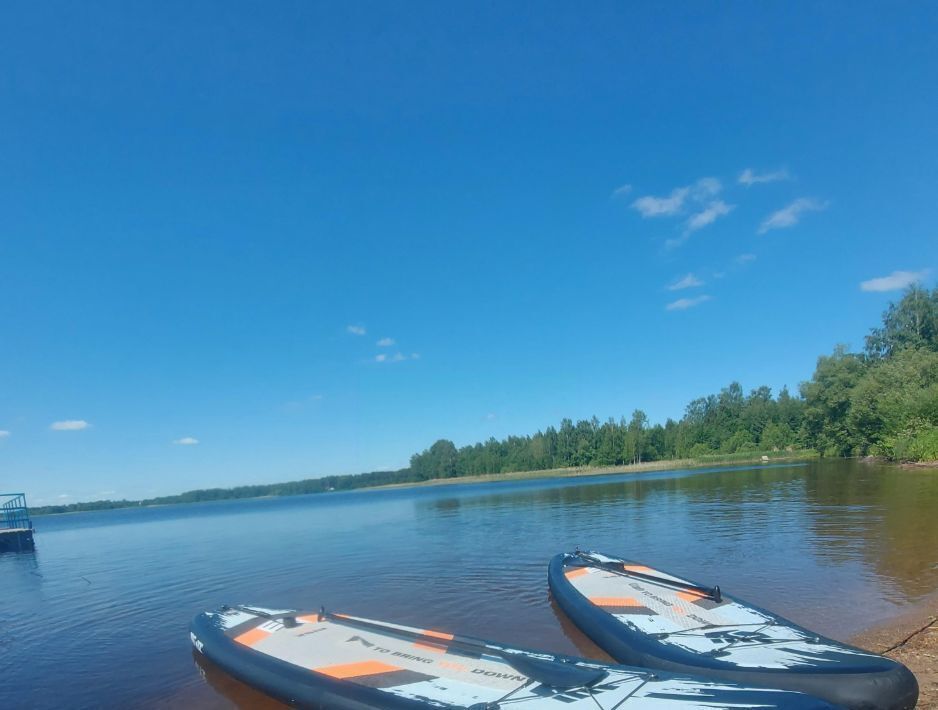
<point x="215" y="218"/>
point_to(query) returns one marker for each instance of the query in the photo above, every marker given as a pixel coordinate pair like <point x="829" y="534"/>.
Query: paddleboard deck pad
<point x="645" y="617"/>
<point x="322" y="660"/>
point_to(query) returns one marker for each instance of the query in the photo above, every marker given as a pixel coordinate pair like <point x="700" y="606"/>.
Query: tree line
<point x="882" y="401"/>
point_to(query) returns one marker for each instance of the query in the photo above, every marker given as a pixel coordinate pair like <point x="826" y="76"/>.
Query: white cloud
<point x="682" y="304"/>
<point x="749" y="177"/>
<point x="186" y="441"/>
<point x="896" y="281"/>
<point x="712" y="212"/>
<point x="790" y="215"/>
<point x="69" y="425"/>
<point x="4" y="434"/>
<point x="745" y="258"/>
<point x="649" y="206"/>
<point x="385" y="342"/>
<point x="396" y="357"/>
<point x="701" y="191"/>
<point x="705" y="188"/>
<point x="356" y="329"/>
<point x="491" y="416"/>
<point x="689" y="281"/>
<point x="622" y="191"/>
<point x="63" y="496"/>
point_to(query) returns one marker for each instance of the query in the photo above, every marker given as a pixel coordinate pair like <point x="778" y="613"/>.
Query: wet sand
<point x="911" y="639"/>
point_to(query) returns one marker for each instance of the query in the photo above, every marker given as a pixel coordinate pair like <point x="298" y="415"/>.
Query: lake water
<point x="98" y="615"/>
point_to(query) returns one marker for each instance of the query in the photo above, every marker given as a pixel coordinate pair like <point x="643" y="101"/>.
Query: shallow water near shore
<point x="97" y="616"/>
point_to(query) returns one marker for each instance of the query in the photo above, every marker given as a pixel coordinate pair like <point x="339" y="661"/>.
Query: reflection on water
<point x="98" y="613"/>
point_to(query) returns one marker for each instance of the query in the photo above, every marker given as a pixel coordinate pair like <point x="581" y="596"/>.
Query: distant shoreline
<point x="574" y="472"/>
<point x="588" y="471"/>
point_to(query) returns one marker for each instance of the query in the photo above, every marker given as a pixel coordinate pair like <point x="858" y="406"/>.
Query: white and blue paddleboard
<point x="645" y="617"/>
<point x="325" y="660"/>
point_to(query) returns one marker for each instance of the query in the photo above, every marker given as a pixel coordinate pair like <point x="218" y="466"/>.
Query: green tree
<point x="910" y="323"/>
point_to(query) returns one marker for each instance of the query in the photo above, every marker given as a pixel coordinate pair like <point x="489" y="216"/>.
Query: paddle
<point x="709" y="592"/>
<point x="552" y="673"/>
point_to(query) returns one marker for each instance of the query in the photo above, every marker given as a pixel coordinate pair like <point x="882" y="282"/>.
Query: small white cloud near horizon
<point x="491" y="416"/>
<point x="745" y="258"/>
<point x="186" y="441"/>
<point x="622" y="191"/>
<point x="896" y="281"/>
<point x="689" y="281"/>
<point x="63" y="496"/>
<point x="790" y="216"/>
<point x="750" y="177"/>
<point x="682" y="304"/>
<point x="385" y="342"/>
<point x="356" y="329"/>
<point x="69" y="425"/>
<point x="4" y="434"/>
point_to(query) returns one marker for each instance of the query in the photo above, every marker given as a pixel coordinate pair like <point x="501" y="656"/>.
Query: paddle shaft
<point x="710" y="592"/>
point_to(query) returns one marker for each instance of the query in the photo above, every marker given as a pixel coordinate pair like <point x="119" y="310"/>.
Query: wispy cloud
<point x="622" y="191"/>
<point x="790" y="216"/>
<point x="705" y="188"/>
<point x="743" y="259"/>
<point x="69" y="425"/>
<point x="297" y="405"/>
<point x="186" y="441"/>
<point x="396" y="357"/>
<point x="650" y="206"/>
<point x="701" y="191"/>
<point x="689" y="281"/>
<point x="4" y="434"/>
<point x="682" y="304"/>
<point x="708" y="215"/>
<point x="385" y="342"/>
<point x="896" y="281"/>
<point x="491" y="416"/>
<point x="63" y="496"/>
<point x="750" y="177"/>
<point x="356" y="329"/>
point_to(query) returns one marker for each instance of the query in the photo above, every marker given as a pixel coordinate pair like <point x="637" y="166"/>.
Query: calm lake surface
<point x="98" y="615"/>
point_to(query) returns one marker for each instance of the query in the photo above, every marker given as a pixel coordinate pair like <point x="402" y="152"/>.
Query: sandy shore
<point x="911" y="639"/>
<point x="586" y="471"/>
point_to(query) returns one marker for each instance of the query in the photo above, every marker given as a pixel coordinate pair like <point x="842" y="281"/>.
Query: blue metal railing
<point x="13" y="512"/>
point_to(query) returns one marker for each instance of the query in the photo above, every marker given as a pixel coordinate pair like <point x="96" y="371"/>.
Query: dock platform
<point x="16" y="529"/>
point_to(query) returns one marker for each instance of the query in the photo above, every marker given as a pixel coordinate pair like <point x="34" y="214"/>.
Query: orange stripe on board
<point x="429" y="645"/>
<point x="574" y="573"/>
<point x="309" y="618"/>
<point x="252" y="637"/>
<point x="615" y="601"/>
<point x="438" y="635"/>
<point x="691" y="596"/>
<point x="356" y="670"/>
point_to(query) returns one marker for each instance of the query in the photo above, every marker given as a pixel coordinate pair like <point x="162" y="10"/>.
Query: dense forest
<point x="879" y="402"/>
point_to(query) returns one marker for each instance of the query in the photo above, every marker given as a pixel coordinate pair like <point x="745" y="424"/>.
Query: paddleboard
<point x="326" y="660"/>
<point x="646" y="617"/>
